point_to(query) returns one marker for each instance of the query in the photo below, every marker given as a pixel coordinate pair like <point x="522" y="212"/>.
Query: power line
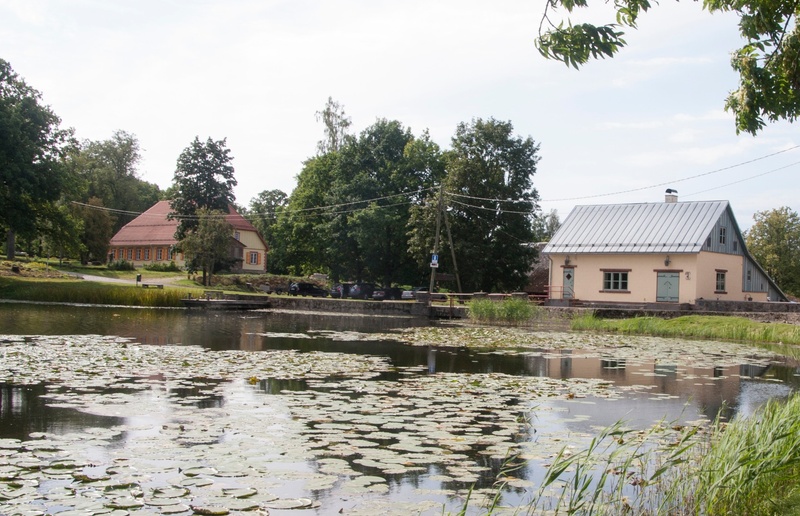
<point x="745" y="179"/>
<point x="671" y="182"/>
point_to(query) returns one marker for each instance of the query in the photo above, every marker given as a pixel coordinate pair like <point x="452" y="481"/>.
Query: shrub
<point x="121" y="265"/>
<point x="163" y="267"/>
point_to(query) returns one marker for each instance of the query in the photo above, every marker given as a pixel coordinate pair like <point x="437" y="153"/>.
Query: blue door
<point x="569" y="283"/>
<point x="667" y="291"/>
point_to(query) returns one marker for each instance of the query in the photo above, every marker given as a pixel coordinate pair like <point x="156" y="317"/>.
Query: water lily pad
<point x="290" y="503"/>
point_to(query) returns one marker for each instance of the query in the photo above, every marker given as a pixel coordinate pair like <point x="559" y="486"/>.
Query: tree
<point x="263" y="211"/>
<point x="209" y="243"/>
<point x="109" y="170"/>
<point x="774" y="241"/>
<point x="336" y="125"/>
<point x="203" y="179"/>
<point x="32" y="146"/>
<point x="545" y="226"/>
<point x="96" y="230"/>
<point x="491" y="206"/>
<point x="769" y="78"/>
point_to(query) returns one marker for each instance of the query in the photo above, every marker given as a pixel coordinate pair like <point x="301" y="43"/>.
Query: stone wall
<point x="713" y="305"/>
<point x="323" y="304"/>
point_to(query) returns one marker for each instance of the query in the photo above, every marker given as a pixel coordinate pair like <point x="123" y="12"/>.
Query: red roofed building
<point x="150" y="238"/>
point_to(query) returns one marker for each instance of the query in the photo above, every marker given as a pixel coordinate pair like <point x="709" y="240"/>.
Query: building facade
<point x="670" y="252"/>
<point x="150" y="239"/>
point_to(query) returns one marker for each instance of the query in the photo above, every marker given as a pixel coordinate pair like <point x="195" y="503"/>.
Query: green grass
<point x="75" y="291"/>
<point x="695" y="326"/>
<point x="510" y="310"/>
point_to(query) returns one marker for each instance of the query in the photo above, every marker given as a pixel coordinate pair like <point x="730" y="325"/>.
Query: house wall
<point x="733" y="266"/>
<point x="253" y="244"/>
<point x="642" y="272"/>
<point x="697" y="276"/>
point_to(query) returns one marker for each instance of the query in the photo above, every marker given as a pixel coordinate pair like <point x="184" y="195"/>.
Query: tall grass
<point x="753" y="463"/>
<point x="72" y="291"/>
<point x="749" y="466"/>
<point x="510" y="310"/>
<point x="695" y="326"/>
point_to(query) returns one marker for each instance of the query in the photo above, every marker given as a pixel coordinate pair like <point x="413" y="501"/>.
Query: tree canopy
<point x="32" y="146"/>
<point x="774" y="241"/>
<point x="769" y="77"/>
<point x="203" y="179"/>
<point x="491" y="206"/>
<point x="208" y="244"/>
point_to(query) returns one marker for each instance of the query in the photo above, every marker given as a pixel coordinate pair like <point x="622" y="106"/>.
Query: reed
<point x="510" y="311"/>
<point x="748" y="466"/>
<point x="753" y="463"/>
<point x="72" y="291"/>
<point x="695" y="326"/>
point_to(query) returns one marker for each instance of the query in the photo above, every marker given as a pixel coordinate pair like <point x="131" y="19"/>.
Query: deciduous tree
<point x="209" y="243"/>
<point x="203" y="179"/>
<point x="769" y="76"/>
<point x="774" y="241"/>
<point x="32" y="146"/>
<point x="492" y="202"/>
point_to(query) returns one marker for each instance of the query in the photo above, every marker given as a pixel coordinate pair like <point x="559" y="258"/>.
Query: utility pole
<point x="435" y="255"/>
<point x="452" y="252"/>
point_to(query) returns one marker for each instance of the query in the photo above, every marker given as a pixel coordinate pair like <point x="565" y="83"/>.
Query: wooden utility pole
<point x="452" y="252"/>
<point x="435" y="254"/>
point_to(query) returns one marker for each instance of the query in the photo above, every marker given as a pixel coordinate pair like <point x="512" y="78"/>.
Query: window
<point x="169" y="254"/>
<point x="749" y="275"/>
<point x="147" y="254"/>
<point x="615" y="281"/>
<point x="253" y="258"/>
<point x="722" y="234"/>
<point x="138" y="254"/>
<point x="735" y="246"/>
<point x="159" y="254"/>
<point x="720" y="281"/>
<point x="237" y="235"/>
<point x="113" y="255"/>
<point x="130" y="254"/>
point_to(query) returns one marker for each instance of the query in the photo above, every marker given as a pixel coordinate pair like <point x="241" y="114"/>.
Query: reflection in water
<point x="23" y="412"/>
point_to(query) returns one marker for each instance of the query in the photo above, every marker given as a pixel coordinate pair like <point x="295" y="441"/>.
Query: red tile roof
<point x="154" y="228"/>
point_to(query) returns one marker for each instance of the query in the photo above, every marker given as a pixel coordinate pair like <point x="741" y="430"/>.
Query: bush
<point x="163" y="267"/>
<point x="121" y="265"/>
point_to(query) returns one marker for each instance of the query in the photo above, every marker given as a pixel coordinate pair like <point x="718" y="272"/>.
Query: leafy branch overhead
<point x="768" y="63"/>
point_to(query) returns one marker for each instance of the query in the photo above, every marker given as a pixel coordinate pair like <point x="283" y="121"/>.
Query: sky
<point x="256" y="72"/>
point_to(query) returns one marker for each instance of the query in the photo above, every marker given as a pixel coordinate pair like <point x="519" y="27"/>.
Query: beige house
<point x="670" y="252"/>
<point x="150" y="238"/>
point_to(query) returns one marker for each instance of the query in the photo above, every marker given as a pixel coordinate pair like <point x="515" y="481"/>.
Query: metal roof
<point x="664" y="227"/>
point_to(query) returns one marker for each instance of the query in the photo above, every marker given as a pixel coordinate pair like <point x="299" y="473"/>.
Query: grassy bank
<point x="75" y="291"/>
<point x="695" y="326"/>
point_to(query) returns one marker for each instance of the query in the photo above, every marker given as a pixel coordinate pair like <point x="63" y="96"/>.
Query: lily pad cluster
<point x="226" y="432"/>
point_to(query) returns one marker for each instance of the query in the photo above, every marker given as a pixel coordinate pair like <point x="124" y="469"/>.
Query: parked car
<point x="361" y="291"/>
<point x="412" y="294"/>
<point x="390" y="293"/>
<point x="307" y="289"/>
<point x="341" y="290"/>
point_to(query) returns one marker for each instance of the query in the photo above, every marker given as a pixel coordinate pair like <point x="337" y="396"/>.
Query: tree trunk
<point x="10" y="244"/>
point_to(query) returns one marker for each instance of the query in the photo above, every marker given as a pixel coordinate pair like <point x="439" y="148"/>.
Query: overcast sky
<point x="257" y="71"/>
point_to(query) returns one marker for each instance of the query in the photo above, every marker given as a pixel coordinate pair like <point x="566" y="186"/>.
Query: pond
<point x="108" y="410"/>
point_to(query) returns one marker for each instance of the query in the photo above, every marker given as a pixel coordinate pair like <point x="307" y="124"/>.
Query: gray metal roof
<point x="664" y="227"/>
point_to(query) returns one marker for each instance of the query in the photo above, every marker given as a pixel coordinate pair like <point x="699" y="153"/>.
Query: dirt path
<point x="102" y="279"/>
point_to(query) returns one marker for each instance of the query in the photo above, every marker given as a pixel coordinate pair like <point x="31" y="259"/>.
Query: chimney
<point x="671" y="196"/>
